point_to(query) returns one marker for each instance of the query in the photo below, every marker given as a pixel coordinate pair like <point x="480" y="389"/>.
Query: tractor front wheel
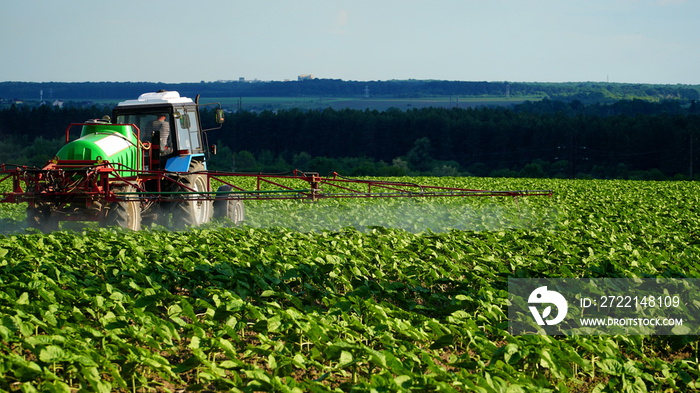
<point x="194" y="209"/>
<point x="124" y="214"/>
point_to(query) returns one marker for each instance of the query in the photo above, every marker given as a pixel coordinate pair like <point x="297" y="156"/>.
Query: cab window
<point x="188" y="131"/>
<point x="143" y="121"/>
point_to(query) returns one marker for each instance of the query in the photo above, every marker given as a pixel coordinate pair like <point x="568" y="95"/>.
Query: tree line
<point x="626" y="139"/>
<point x="548" y="138"/>
<point x="586" y="92"/>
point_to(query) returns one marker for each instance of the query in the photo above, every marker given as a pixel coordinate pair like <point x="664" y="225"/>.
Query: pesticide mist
<point x="412" y="215"/>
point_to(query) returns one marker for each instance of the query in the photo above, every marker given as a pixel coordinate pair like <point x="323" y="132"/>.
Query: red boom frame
<point x="90" y="182"/>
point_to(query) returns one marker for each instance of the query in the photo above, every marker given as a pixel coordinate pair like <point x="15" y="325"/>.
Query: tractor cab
<point x="171" y="124"/>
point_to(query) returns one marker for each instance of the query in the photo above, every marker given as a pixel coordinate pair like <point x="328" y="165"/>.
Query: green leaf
<point x="345" y="358"/>
<point x="231" y="364"/>
<point x="53" y="354"/>
<point x="188" y="364"/>
<point x="56" y="387"/>
<point x="443" y="341"/>
<point x="194" y="342"/>
<point x="638" y="386"/>
<point x="23" y="299"/>
<point x="548" y="362"/>
<point x="403" y="380"/>
<point x="271" y="362"/>
<point x="24" y="369"/>
<point x="92" y="375"/>
<point x="510" y="353"/>
<point x="681" y="330"/>
<point x="377" y="358"/>
<point x="611" y="366"/>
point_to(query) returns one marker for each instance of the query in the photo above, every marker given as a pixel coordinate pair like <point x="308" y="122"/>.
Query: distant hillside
<point x="586" y="92"/>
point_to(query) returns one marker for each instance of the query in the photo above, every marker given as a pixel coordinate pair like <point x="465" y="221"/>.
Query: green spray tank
<point x="100" y="141"/>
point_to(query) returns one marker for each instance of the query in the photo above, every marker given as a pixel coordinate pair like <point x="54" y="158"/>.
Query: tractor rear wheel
<point x="233" y="209"/>
<point x="194" y="209"/>
<point x="124" y="214"/>
<point x="39" y="217"/>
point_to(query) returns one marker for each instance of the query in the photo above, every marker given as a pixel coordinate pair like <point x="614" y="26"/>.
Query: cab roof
<point x="161" y="97"/>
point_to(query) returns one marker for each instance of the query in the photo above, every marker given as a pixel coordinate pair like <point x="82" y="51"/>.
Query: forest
<point x="586" y="92"/>
<point x="629" y="139"/>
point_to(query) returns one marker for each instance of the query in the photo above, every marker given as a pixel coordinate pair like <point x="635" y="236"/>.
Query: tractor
<point x="153" y="144"/>
<point x="146" y="164"/>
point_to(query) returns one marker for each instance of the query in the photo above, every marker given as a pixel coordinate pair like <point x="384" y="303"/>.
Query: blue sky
<point x="630" y="41"/>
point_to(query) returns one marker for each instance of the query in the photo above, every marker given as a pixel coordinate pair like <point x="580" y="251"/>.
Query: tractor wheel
<point x="194" y="209"/>
<point x="233" y="209"/>
<point x="124" y="214"/>
<point x="40" y="218"/>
